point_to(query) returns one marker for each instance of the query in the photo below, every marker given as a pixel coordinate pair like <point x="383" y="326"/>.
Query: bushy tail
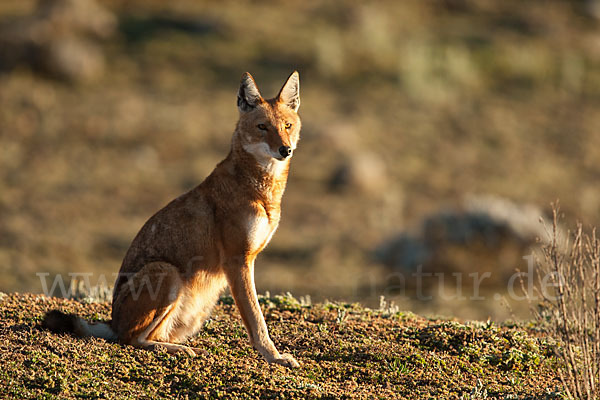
<point x="59" y="322"/>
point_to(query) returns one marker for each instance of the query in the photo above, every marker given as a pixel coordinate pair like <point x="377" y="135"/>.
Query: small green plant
<point x="81" y="290"/>
<point x="479" y="392"/>
<point x="387" y="309"/>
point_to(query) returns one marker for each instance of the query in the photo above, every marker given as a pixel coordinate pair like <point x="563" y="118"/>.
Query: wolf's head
<point x="269" y="129"/>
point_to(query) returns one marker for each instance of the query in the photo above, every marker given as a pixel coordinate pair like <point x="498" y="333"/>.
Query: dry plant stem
<point x="583" y="329"/>
<point x="572" y="312"/>
<point x="594" y="255"/>
<point x="555" y="261"/>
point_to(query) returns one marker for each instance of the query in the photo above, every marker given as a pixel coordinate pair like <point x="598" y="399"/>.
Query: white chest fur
<point x="260" y="231"/>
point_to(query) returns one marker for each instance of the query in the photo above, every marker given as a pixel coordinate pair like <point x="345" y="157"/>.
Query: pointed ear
<point x="248" y="95"/>
<point x="290" y="92"/>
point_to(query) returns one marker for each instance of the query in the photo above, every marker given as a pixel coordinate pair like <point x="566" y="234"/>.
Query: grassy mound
<point x="346" y="351"/>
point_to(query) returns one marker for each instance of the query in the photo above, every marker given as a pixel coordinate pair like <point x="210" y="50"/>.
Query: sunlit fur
<point x="208" y="238"/>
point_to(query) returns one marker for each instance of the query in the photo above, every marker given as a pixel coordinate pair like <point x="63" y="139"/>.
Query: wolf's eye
<point x="262" y="127"/>
<point x="288" y="125"/>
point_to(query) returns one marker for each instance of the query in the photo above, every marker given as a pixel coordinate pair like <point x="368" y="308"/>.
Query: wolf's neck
<point x="266" y="181"/>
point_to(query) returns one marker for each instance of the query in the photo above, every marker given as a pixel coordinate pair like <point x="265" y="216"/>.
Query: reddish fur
<point x="202" y="240"/>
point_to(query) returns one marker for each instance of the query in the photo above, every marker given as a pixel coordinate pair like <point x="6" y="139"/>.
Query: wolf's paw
<point x="287" y="360"/>
<point x="187" y="350"/>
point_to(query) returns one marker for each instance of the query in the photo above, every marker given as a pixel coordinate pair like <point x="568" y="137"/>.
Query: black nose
<point x="285" y="151"/>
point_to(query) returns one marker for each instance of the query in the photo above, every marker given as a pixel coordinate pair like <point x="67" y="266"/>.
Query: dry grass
<point x="570" y="307"/>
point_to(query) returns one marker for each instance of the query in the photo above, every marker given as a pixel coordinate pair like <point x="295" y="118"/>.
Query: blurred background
<point x="435" y="135"/>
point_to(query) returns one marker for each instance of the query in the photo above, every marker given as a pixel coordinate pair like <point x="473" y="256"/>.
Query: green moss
<point x="345" y="351"/>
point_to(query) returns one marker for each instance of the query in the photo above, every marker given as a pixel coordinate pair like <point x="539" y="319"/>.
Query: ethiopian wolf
<point x="208" y="238"/>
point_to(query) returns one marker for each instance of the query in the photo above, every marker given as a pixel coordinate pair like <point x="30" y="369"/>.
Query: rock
<point x="486" y="234"/>
<point x="59" y="39"/>
<point x="74" y="60"/>
<point x="592" y="8"/>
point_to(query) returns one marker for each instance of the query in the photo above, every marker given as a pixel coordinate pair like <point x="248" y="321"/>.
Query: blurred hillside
<point x="408" y="108"/>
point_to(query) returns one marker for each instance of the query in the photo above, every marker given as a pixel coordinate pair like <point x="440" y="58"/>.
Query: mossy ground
<point x="346" y="351"/>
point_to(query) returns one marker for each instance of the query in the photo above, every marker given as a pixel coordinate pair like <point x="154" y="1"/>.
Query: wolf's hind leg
<point x="146" y="307"/>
